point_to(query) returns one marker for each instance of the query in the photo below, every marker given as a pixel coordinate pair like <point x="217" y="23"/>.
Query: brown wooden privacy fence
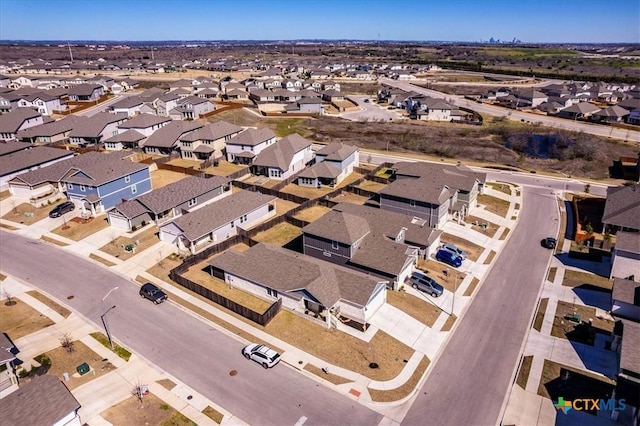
<point x="179" y="169"/>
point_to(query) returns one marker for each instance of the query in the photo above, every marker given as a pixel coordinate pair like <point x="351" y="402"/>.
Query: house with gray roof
<point x="303" y="283"/>
<point x="612" y="114"/>
<point x="283" y="159"/>
<point x="371" y="240"/>
<point x="44" y="401"/>
<point x="18" y="119"/>
<point x="628" y="379"/>
<point x="8" y="378"/>
<point x="145" y="124"/>
<point x="25" y="160"/>
<point x="218" y="221"/>
<point x="130" y="105"/>
<point x="578" y="111"/>
<point x="247" y="145"/>
<point x="621" y="208"/>
<point x="625" y="299"/>
<point x="333" y="163"/>
<point x="208" y="142"/>
<point x="92" y="130"/>
<point x="165" y="140"/>
<point x="191" y="108"/>
<point x="129" y="139"/>
<point x="169" y="202"/>
<point x="625" y="260"/>
<point x="85" y="92"/>
<point x="51" y="131"/>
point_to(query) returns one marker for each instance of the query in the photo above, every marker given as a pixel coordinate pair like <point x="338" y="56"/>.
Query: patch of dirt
<point x="19" y="320"/>
<point x="151" y="411"/>
<point x="415" y="307"/>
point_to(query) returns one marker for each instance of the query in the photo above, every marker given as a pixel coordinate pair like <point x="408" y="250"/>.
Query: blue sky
<point x="544" y="21"/>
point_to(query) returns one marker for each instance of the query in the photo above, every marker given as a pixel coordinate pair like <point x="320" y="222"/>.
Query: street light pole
<point x="455" y="290"/>
<point x="104" y="315"/>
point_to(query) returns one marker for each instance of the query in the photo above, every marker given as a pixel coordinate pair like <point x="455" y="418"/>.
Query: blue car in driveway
<point x="449" y="258"/>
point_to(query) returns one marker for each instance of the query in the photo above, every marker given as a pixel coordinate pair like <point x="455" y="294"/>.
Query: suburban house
<point x="307" y="105"/>
<point x="432" y="191"/>
<point x="130" y="105"/>
<point x="578" y="111"/>
<point x="145" y="124"/>
<point x="625" y="260"/>
<point x="371" y="240"/>
<point x="243" y="148"/>
<point x="218" y="221"/>
<point x="613" y="114"/>
<point x="45" y="400"/>
<point x="531" y="97"/>
<point x="25" y="160"/>
<point x="430" y="109"/>
<point x="85" y="92"/>
<point x="98" y="187"/>
<point x="621" y="208"/>
<point x="208" y="142"/>
<point x="333" y="163"/>
<point x="303" y="283"/>
<point x="44" y="103"/>
<point x="129" y="139"/>
<point x="625" y="299"/>
<point x="191" y="107"/>
<point x="51" y="131"/>
<point x="18" y="119"/>
<point x="8" y="378"/>
<point x="169" y="202"/>
<point x="628" y="379"/>
<point x="165" y="140"/>
<point x="283" y="159"/>
<point x="92" y="130"/>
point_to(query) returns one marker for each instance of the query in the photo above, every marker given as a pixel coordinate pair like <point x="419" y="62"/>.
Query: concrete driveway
<point x="370" y="111"/>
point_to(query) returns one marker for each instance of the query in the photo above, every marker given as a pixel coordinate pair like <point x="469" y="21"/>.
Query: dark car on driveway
<point x="549" y="243"/>
<point x="153" y="293"/>
<point x="427" y="284"/>
<point x="449" y="258"/>
<point x="61" y="209"/>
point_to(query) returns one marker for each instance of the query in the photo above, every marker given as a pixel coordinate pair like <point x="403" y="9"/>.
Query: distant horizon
<point x="454" y="21"/>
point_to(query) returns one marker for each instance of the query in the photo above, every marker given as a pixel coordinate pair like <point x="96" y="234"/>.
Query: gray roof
<point x="202" y="221"/>
<point x="25" y="159"/>
<point x="613" y="111"/>
<point x="92" y="127"/>
<point x="11" y="121"/>
<point x="51" y="128"/>
<point x="131" y="208"/>
<point x="194" y="100"/>
<point x="628" y="241"/>
<point x="322" y="170"/>
<point x="458" y="177"/>
<point x="297" y="274"/>
<point x="43" y="401"/>
<point x="8" y="350"/>
<point x="622" y="206"/>
<point x="336" y="151"/>
<point x="281" y="154"/>
<point x="421" y="189"/>
<point x="581" y="108"/>
<point x="176" y="193"/>
<point x="12" y="146"/>
<point x="629" y="353"/>
<point x="84" y="89"/>
<point x="212" y="132"/>
<point x="339" y="226"/>
<point x="102" y="172"/>
<point x="627" y="291"/>
<point x="168" y="136"/>
<point x="142" y="121"/>
<point x="126" y="136"/>
<point x="252" y="137"/>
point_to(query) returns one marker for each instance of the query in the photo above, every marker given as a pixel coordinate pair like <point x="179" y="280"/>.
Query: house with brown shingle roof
<point x="18" y="119"/>
<point x="92" y="130"/>
<point x="85" y="92"/>
<point x="218" y="221"/>
<point x="247" y="145"/>
<point x="145" y="124"/>
<point x="621" y="208"/>
<point x="51" y="131"/>
<point x="333" y="163"/>
<point x="370" y="240"/>
<point x="283" y="159"/>
<point x="303" y="283"/>
<point x="24" y="160"/>
<point x="209" y="141"/>
<point x="169" y="202"/>
<point x="129" y="139"/>
<point x="165" y="140"/>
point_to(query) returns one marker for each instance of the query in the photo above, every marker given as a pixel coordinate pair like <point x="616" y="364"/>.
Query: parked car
<point x="153" y="293"/>
<point x="455" y="250"/>
<point x="61" y="209"/>
<point x="448" y="258"/>
<point x="427" y="284"/>
<point x="261" y="354"/>
<point x="549" y="243"/>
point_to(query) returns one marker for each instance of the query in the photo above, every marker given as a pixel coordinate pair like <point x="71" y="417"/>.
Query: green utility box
<point x="83" y="369"/>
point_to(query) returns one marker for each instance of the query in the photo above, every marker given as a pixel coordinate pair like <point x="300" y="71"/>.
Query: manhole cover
<point x="190" y="397"/>
<point x="233" y="372"/>
<point x="70" y="297"/>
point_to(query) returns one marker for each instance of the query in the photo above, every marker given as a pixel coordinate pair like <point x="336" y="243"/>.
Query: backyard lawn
<point x="160" y="178"/>
<point x="279" y="234"/>
<point x="349" y="197"/>
<point x="312" y="213"/>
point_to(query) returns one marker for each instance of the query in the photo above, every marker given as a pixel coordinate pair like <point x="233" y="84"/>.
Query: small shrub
<point x="144" y="223"/>
<point x="164" y="407"/>
<point x="43" y="360"/>
<point x="24" y="373"/>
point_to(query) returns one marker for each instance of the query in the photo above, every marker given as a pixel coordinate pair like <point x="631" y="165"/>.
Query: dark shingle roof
<point x="622" y="206"/>
<point x="103" y="172"/>
<point x="51" y="128"/>
<point x="142" y="121"/>
<point x="202" y="221"/>
<point x="627" y="291"/>
<point x="168" y="136"/>
<point x="41" y="402"/>
<point x="12" y="146"/>
<point x="296" y="273"/>
<point x="322" y="169"/>
<point x="84" y="89"/>
<point x="281" y="154"/>
<point x="176" y="193"/>
<point x="12" y="120"/>
<point x="25" y="159"/>
<point x="128" y="102"/>
<point x="126" y="136"/>
<point x="421" y="189"/>
<point x="629" y="353"/>
<point x="336" y="151"/>
<point x="8" y="350"/>
<point x="628" y="241"/>
<point x="252" y="137"/>
<point x="92" y="127"/>
<point x="458" y="177"/>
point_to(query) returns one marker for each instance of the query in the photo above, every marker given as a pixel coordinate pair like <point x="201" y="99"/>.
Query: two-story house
<point x="145" y="124"/>
<point x="92" y="130"/>
<point x="51" y="131"/>
<point x="191" y="108"/>
<point x="283" y="159"/>
<point x="169" y="202"/>
<point x="247" y="145"/>
<point x="14" y="121"/>
<point x="44" y="103"/>
<point x="24" y="157"/>
<point x="333" y="163"/>
<point x="165" y="140"/>
<point x="209" y="141"/>
<point x="85" y="92"/>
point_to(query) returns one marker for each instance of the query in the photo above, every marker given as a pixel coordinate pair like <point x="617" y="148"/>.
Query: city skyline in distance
<point x="538" y="21"/>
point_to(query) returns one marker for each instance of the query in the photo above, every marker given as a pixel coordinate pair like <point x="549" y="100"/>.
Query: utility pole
<point x="103" y="317"/>
<point x="70" y="53"/>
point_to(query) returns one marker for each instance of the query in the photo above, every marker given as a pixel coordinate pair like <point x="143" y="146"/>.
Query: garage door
<point x="167" y="236"/>
<point x="119" y="222"/>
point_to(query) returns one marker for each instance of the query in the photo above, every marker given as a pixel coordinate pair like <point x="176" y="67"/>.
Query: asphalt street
<point x="576" y="126"/>
<point x="178" y="342"/>
<point x="472" y="377"/>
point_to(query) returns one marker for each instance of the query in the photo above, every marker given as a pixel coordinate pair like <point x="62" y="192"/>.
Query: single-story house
<point x="145" y="124"/>
<point x="169" y="202"/>
<point x="283" y="159"/>
<point x="303" y="283"/>
<point x="579" y="110"/>
<point x="333" y="163"/>
<point x="218" y="221"/>
<point x="129" y="139"/>
<point x="85" y="92"/>
<point x="130" y="105"/>
<point x="306" y="105"/>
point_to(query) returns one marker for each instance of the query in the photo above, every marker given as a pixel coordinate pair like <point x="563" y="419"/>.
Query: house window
<point x="232" y="224"/>
<point x="192" y="202"/>
<point x="134" y="189"/>
<point x="243" y="219"/>
<point x="127" y="178"/>
<point x="83" y="188"/>
<point x="412" y="203"/>
<point x="334" y="245"/>
<point x="69" y="186"/>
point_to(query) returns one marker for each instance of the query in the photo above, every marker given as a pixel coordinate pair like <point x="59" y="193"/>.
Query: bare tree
<point x="7" y="295"/>
<point x="139" y="391"/>
<point x="67" y="342"/>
